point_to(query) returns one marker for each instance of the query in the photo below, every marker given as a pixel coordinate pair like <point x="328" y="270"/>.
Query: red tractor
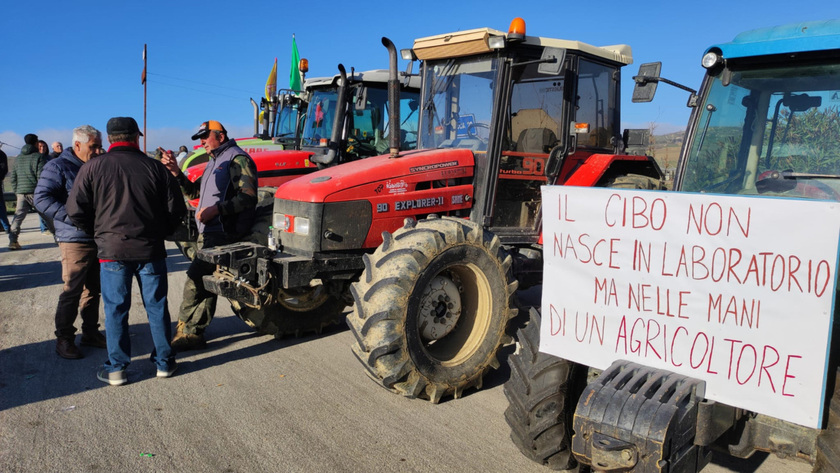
<point x="429" y="246"/>
<point x="279" y="159"/>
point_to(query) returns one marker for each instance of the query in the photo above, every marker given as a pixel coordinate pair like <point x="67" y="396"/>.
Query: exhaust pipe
<point x="272" y="117"/>
<point x="256" y="118"/>
<point x="393" y="97"/>
<point x="338" y="121"/>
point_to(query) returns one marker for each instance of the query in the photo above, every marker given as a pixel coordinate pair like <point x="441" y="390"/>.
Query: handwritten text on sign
<point x="737" y="291"/>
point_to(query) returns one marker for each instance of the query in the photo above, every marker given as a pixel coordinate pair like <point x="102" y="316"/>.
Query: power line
<point x="199" y="82"/>
<point x="196" y="90"/>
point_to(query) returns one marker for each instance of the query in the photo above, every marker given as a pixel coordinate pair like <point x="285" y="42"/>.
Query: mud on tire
<point x="431" y="308"/>
<point x="542" y="393"/>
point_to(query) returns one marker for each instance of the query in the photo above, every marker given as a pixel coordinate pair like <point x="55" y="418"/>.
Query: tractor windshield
<point x="367" y="123"/>
<point x="769" y="131"/>
<point x="458" y="102"/>
<point x="287" y="119"/>
<point x="319" y="117"/>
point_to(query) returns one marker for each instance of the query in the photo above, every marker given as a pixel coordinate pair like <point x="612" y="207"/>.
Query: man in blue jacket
<point x="79" y="263"/>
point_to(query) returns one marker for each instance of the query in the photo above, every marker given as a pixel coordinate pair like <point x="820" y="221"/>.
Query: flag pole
<point x="144" y="99"/>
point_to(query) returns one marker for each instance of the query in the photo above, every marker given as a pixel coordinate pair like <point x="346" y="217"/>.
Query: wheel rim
<point x="304" y="299"/>
<point x="469" y="314"/>
<point x="440" y="308"/>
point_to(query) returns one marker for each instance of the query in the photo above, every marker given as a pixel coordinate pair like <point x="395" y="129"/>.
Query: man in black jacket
<point x="129" y="203"/>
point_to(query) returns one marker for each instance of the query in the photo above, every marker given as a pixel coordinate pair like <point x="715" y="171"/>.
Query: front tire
<point x="542" y="393"/>
<point x="432" y="307"/>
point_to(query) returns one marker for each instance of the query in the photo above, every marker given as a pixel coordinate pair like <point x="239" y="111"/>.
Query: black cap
<point x="30" y="139"/>
<point x="205" y="128"/>
<point x="122" y="126"/>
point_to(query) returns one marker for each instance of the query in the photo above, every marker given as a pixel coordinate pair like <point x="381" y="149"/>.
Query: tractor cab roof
<point x="785" y="39"/>
<point x="372" y="76"/>
<point x="477" y="41"/>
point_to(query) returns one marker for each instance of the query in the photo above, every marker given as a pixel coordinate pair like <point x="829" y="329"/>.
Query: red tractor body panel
<point x="397" y="188"/>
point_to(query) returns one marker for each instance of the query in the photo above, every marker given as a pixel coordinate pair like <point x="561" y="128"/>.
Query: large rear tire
<point x="542" y="393"/>
<point x="432" y="307"/>
<point x="298" y="312"/>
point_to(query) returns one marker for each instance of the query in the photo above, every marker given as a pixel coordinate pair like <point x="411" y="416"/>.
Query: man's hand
<point x="206" y="214"/>
<point x="167" y="158"/>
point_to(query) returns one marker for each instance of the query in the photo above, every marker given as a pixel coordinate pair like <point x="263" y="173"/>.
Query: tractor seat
<point x="536" y="140"/>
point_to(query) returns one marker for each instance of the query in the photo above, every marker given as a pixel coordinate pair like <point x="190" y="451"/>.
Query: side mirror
<point x="646" y="82"/>
<point x="551" y="61"/>
<point x="554" y="162"/>
<point x="360" y="100"/>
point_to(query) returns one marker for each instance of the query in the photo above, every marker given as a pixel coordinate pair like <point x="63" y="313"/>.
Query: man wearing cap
<point x="79" y="263"/>
<point x="129" y="203"/>
<point x="24" y="178"/>
<point x="227" y="192"/>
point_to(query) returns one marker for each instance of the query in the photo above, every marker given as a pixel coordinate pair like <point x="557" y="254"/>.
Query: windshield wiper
<point x="802" y="175"/>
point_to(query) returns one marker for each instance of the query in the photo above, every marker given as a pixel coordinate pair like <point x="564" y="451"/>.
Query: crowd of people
<point x="110" y="213"/>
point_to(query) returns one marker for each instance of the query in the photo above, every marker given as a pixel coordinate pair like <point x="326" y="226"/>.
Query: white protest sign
<point x="737" y="291"/>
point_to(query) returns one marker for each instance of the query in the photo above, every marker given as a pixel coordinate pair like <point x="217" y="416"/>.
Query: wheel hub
<point x="440" y="308"/>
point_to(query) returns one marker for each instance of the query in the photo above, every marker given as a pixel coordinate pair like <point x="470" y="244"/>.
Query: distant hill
<point x="666" y="149"/>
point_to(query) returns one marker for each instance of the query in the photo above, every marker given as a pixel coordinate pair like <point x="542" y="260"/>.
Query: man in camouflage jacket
<point x="227" y="192"/>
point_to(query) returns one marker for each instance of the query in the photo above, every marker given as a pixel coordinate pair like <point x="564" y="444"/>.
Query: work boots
<point x="93" y="339"/>
<point x="187" y="341"/>
<point x="67" y="349"/>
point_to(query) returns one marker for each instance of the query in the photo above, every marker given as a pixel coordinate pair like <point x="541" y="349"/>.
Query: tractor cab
<point x="767" y="129"/>
<point x="286" y="118"/>
<point x="360" y="129"/>
<point x="765" y="121"/>
<point x="532" y="110"/>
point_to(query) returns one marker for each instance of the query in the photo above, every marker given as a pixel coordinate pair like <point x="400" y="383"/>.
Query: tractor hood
<point x="345" y="182"/>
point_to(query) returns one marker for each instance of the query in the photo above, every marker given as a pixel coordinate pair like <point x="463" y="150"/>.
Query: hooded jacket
<point x="27" y="169"/>
<point x="51" y="193"/>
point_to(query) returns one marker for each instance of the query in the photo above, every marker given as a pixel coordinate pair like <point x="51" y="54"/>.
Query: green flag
<point x="294" y="76"/>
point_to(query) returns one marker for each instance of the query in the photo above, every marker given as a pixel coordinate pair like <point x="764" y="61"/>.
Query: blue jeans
<point x="115" y="277"/>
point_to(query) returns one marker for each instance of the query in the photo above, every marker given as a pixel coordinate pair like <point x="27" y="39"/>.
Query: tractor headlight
<point x="711" y="59"/>
<point x="301" y="226"/>
<point x="282" y="222"/>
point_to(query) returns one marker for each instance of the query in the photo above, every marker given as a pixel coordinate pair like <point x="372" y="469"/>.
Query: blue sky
<point x="68" y="63"/>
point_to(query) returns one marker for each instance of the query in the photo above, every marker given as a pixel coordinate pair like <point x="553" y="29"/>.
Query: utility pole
<point x="143" y="80"/>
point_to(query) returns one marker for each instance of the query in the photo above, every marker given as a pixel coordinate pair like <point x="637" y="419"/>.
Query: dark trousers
<point x="80" y="273"/>
<point x="198" y="305"/>
<point x="4" y="216"/>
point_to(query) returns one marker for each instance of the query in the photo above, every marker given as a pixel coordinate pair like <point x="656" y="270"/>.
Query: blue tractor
<point x="766" y="121"/>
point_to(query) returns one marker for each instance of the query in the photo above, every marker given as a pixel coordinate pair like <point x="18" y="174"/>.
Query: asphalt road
<point x="247" y="403"/>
